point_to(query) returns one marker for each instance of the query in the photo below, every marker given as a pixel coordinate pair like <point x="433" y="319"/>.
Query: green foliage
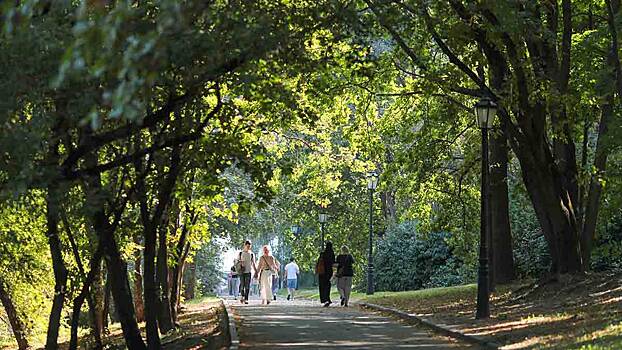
<point x="24" y="261"/>
<point x="607" y="252"/>
<point x="208" y="267"/>
<point x="531" y="256"/>
<point x="408" y="260"/>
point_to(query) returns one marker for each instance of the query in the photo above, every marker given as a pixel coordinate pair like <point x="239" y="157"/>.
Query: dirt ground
<point x="202" y="325"/>
<point x="577" y="312"/>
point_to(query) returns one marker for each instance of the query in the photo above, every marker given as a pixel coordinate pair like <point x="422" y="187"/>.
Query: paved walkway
<point x="306" y="325"/>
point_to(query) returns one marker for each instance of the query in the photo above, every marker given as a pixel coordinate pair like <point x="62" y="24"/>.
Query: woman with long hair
<point x="324" y="270"/>
<point x="345" y="272"/>
<point x="265" y="269"/>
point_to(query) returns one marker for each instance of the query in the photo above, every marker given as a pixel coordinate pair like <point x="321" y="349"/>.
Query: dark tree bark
<point x="501" y="236"/>
<point x="138" y="282"/>
<point x="79" y="301"/>
<point x="588" y="234"/>
<point x="85" y="291"/>
<point x="18" y="327"/>
<point x="165" y="316"/>
<point x="151" y="226"/>
<point x="107" y="301"/>
<point x="190" y="281"/>
<point x="58" y="265"/>
<point x="116" y="266"/>
<point x="180" y="259"/>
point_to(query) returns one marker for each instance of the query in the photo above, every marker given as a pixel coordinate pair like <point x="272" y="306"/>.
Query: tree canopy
<point x="138" y="136"/>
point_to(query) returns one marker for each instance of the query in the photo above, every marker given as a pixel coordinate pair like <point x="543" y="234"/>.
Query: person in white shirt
<point x="247" y="259"/>
<point x="291" y="272"/>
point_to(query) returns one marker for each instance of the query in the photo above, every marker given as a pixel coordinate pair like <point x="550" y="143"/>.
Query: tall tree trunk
<point x="79" y="301"/>
<point x="85" y="291"/>
<point x="18" y="327"/>
<point x="554" y="211"/>
<point x="178" y="273"/>
<point x="588" y="235"/>
<point x="181" y="252"/>
<point x="165" y="317"/>
<point x="151" y="288"/>
<point x="58" y="265"/>
<point x="151" y="225"/>
<point x="98" y="294"/>
<point x="138" y="282"/>
<point x="116" y="266"/>
<point x="190" y="281"/>
<point x="501" y="236"/>
<point x="107" y="301"/>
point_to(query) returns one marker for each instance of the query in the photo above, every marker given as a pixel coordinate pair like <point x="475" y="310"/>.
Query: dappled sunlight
<point x="305" y="325"/>
<point x="577" y="311"/>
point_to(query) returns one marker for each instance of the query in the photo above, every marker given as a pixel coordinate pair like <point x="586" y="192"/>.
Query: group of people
<point x="266" y="273"/>
<point x="330" y="269"/>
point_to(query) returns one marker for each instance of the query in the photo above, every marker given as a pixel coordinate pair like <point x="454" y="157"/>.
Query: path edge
<point x="436" y="327"/>
<point x="233" y="330"/>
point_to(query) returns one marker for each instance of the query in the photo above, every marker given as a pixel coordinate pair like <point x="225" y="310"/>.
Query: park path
<point x="302" y="324"/>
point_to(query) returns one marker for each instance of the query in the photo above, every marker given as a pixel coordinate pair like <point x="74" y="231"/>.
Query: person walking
<point x="235" y="283"/>
<point x="324" y="270"/>
<point x="265" y="269"/>
<point x="344" y="274"/>
<point x="276" y="279"/>
<point x="254" y="286"/>
<point x="291" y="276"/>
<point x="245" y="264"/>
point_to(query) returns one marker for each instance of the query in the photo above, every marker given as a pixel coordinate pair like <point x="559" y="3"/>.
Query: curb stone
<point x="233" y="331"/>
<point x="436" y="327"/>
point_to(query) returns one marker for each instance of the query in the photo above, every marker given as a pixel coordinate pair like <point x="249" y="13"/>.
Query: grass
<point x="577" y="312"/>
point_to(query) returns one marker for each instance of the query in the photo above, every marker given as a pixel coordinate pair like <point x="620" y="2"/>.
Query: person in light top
<point x="247" y="259"/>
<point x="266" y="267"/>
<point x="291" y="275"/>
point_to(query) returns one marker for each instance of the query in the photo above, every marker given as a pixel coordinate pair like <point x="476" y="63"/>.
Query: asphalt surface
<point x="303" y="324"/>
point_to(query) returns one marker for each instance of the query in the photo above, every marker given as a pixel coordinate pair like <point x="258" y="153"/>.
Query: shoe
<point x="343" y="301"/>
<point x="275" y="297"/>
<point x="245" y="301"/>
<point x="268" y="302"/>
<point x="288" y="296"/>
<point x="327" y="304"/>
<point x="242" y="301"/>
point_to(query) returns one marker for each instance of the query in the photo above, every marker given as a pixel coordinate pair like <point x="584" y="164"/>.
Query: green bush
<point x="407" y="260"/>
<point x="607" y="250"/>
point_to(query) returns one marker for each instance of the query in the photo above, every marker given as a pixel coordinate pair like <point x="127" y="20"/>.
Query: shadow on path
<point x="306" y="325"/>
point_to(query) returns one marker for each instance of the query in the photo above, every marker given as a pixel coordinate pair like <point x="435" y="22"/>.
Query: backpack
<point x="239" y="265"/>
<point x="319" y="266"/>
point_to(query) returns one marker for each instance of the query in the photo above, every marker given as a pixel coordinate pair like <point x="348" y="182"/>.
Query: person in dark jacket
<point x="327" y="259"/>
<point x="345" y="272"/>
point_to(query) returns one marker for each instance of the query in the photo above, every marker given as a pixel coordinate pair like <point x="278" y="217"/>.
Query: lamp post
<point x="372" y="183"/>
<point x="485" y="111"/>
<point x="323" y="217"/>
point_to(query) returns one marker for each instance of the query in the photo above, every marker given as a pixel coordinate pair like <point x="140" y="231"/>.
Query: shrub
<point x="407" y="260"/>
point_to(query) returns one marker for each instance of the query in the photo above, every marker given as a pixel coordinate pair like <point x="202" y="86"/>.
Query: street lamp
<point x="485" y="111"/>
<point x="372" y="183"/>
<point x="323" y="217"/>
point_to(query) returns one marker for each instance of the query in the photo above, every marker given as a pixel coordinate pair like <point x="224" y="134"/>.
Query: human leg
<point x="340" y="289"/>
<point x="235" y="286"/>
<point x="324" y="282"/>
<point x="246" y="284"/>
<point x="266" y="286"/>
<point x="291" y="287"/>
<point x="347" y="288"/>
